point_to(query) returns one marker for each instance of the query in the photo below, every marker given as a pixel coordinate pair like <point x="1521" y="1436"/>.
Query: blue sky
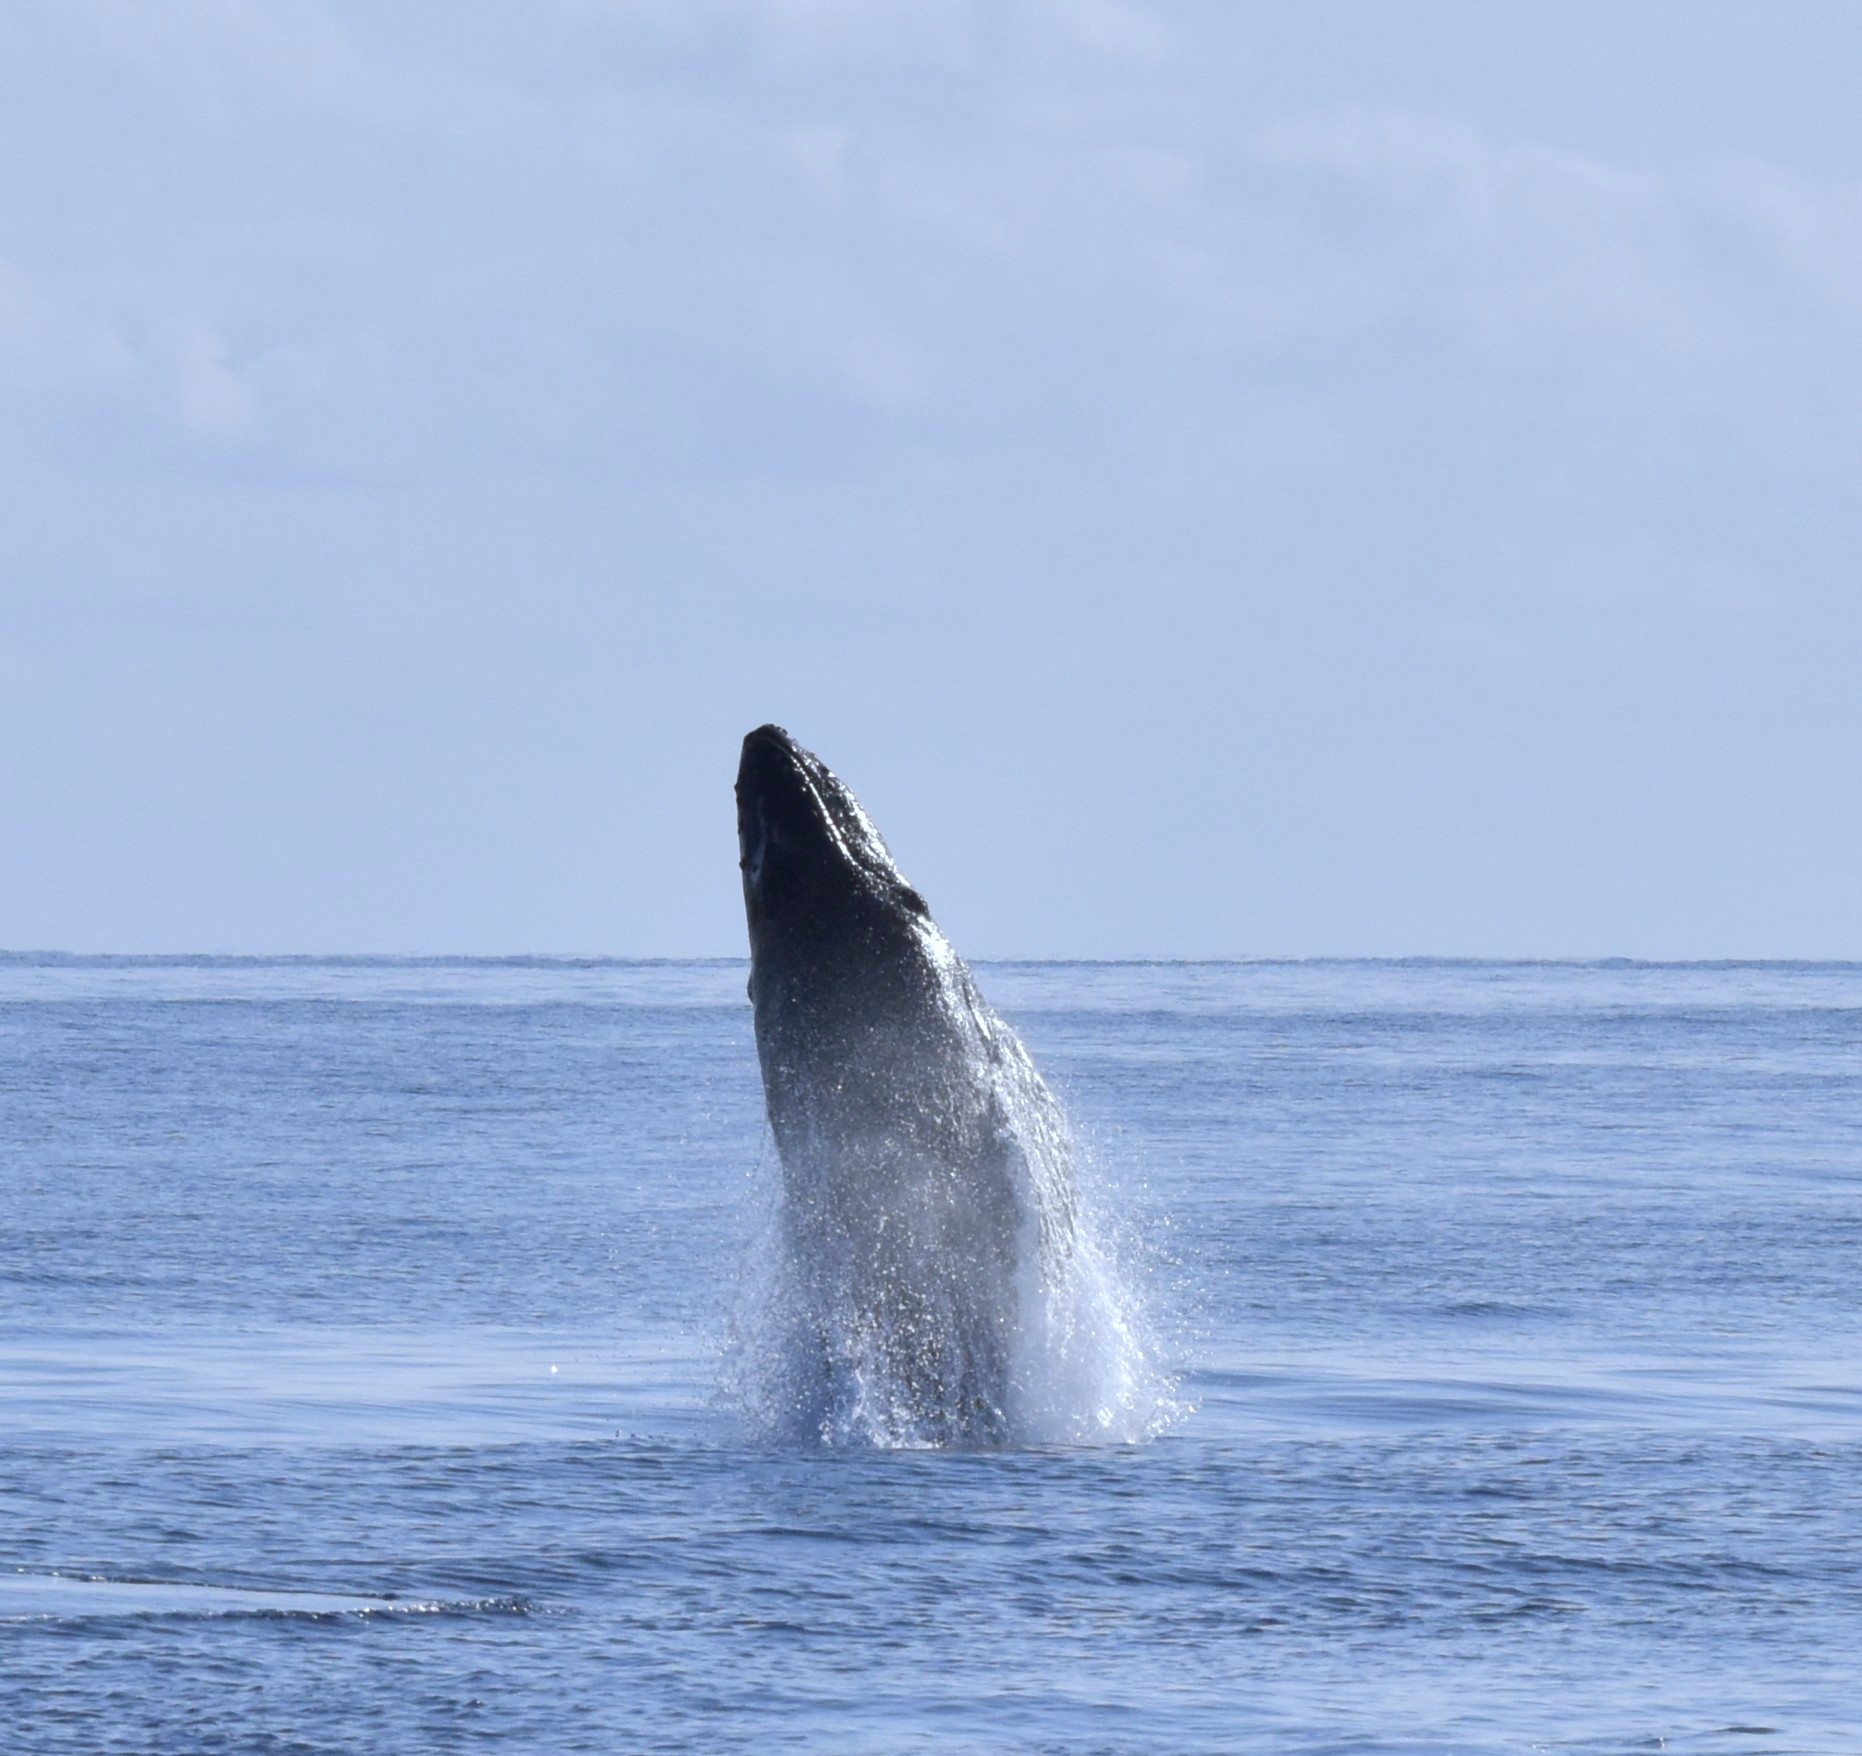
<point x="1215" y="478"/>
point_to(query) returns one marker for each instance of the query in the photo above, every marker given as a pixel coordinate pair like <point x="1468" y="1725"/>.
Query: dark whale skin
<point x="926" y="1177"/>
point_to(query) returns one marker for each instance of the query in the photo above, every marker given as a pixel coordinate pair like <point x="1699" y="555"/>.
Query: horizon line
<point x="48" y="956"/>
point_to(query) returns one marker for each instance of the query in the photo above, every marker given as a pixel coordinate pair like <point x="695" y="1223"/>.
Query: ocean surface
<point x="368" y="1333"/>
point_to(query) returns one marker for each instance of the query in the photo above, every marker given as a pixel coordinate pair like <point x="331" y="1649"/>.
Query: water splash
<point x="808" y="1362"/>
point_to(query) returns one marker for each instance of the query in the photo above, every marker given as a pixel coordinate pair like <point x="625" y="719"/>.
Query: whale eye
<point x="913" y="901"/>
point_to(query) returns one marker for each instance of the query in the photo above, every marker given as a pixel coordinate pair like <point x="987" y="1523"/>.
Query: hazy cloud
<point x="1344" y="410"/>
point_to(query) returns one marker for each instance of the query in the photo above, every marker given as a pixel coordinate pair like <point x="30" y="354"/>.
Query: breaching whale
<point x="927" y="1186"/>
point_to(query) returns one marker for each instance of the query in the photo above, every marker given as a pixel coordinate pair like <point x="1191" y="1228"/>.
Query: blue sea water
<point x="363" y="1327"/>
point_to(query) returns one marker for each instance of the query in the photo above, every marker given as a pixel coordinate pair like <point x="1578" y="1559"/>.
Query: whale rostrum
<point x="927" y="1186"/>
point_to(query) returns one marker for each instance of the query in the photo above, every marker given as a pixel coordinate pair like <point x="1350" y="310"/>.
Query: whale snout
<point x="773" y="767"/>
<point x="772" y="789"/>
<point x="783" y="823"/>
<point x="811" y="858"/>
<point x="770" y="734"/>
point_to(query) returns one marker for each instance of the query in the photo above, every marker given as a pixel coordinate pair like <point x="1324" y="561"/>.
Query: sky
<point x="1217" y="478"/>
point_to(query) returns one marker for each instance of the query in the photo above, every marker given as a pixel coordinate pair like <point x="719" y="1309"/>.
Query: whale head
<point x="818" y="882"/>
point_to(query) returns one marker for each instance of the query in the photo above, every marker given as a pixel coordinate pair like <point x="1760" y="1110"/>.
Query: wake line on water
<point x="66" y="1597"/>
